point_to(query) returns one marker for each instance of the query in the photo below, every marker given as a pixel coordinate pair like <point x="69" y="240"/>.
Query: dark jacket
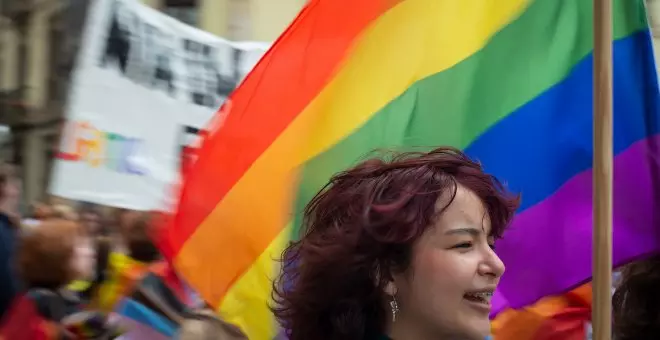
<point x="8" y="279"/>
<point x="66" y="309"/>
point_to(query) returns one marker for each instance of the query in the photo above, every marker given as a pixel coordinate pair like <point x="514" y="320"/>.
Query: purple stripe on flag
<point x="555" y="235"/>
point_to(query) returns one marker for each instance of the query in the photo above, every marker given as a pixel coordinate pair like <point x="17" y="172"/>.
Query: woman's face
<point x="84" y="257"/>
<point x="92" y="222"/>
<point x="453" y="274"/>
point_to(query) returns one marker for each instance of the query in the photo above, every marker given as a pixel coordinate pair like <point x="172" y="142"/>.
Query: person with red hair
<point x="47" y="261"/>
<point x="399" y="248"/>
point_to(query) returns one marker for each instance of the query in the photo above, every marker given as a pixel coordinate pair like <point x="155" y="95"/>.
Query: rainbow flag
<point x="508" y="81"/>
<point x="144" y="325"/>
<point x="137" y="319"/>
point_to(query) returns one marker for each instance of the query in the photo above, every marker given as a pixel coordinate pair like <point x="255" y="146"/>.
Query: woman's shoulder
<point x="54" y="304"/>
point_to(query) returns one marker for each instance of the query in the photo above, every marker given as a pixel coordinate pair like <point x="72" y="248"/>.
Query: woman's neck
<point x="402" y="330"/>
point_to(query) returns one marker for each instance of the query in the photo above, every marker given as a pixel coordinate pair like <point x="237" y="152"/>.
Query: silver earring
<point x="394" y="307"/>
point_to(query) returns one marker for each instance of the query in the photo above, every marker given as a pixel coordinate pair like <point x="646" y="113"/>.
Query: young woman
<point x="397" y="249"/>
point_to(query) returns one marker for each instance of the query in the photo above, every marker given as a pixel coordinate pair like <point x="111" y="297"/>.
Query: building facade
<point x="38" y="39"/>
<point x="38" y="42"/>
<point x="258" y="20"/>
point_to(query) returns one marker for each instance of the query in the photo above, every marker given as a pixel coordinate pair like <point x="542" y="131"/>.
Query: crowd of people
<point x="399" y="248"/>
<point x="66" y="261"/>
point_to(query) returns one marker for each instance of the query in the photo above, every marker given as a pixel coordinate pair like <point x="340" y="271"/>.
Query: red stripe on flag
<point x="283" y="83"/>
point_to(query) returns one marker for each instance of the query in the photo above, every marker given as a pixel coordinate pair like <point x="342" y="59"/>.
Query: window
<point x="185" y="11"/>
<point x="239" y="27"/>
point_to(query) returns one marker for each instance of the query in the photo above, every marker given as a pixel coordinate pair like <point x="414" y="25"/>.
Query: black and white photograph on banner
<point x="138" y="67"/>
<point x="141" y="51"/>
<point x="207" y="83"/>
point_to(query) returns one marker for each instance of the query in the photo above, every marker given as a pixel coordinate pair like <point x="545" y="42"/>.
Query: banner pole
<point x="602" y="171"/>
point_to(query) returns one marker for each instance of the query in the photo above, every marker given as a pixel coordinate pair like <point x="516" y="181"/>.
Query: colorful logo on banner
<point x="98" y="148"/>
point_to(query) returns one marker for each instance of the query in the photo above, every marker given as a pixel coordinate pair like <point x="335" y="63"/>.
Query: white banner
<point x="144" y="86"/>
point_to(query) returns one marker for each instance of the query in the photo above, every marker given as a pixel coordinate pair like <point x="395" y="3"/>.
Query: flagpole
<point x="602" y="171"/>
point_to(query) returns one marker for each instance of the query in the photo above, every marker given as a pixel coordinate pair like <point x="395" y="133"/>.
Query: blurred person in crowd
<point x="91" y="219"/>
<point x="41" y="210"/>
<point x="636" y="301"/>
<point x="49" y="258"/>
<point x="95" y="247"/>
<point x="38" y="212"/>
<point x="10" y="191"/>
<point x="47" y="262"/>
<point x="120" y="222"/>
<point x="398" y="248"/>
<point x="136" y="258"/>
<point x="138" y="237"/>
<point x="65" y="212"/>
<point x="205" y="325"/>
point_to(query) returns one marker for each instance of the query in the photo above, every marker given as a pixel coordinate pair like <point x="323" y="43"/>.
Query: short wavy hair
<point x="360" y="228"/>
<point x="139" y="236"/>
<point x="45" y="254"/>
<point x="636" y="301"/>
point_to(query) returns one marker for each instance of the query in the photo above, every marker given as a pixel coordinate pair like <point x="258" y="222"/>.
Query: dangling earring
<point x="394" y="307"/>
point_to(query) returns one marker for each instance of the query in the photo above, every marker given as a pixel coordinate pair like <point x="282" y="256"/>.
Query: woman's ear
<point x="378" y="276"/>
<point x="390" y="288"/>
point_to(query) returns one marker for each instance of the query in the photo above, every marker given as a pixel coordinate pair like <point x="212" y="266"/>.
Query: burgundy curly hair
<point x="360" y="228"/>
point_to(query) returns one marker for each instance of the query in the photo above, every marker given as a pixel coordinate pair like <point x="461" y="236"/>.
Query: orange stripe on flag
<point x="315" y="40"/>
<point x="560" y="317"/>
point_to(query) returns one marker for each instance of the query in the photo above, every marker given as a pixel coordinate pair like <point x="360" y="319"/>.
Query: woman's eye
<point x="463" y="245"/>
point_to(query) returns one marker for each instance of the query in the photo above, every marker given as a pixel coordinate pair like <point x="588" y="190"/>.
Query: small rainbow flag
<point x="508" y="81"/>
<point x="124" y="273"/>
<point x="562" y="317"/>
<point x="119" y="294"/>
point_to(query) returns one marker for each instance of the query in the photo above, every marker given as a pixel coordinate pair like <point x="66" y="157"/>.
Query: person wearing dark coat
<point x="9" y="222"/>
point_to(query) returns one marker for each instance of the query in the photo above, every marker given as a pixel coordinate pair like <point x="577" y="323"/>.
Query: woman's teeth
<point x="480" y="296"/>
